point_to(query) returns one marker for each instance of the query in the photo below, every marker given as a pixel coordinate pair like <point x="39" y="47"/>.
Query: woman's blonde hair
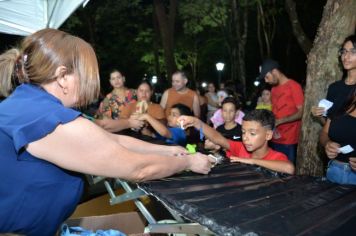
<point x="41" y="54"/>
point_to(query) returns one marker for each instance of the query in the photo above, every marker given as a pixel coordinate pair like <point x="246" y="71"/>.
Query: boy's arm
<point x="209" y="132"/>
<point x="157" y="125"/>
<point x="275" y="165"/>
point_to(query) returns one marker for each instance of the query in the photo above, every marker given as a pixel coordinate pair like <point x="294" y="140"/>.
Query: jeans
<point x="341" y="173"/>
<point x="290" y="150"/>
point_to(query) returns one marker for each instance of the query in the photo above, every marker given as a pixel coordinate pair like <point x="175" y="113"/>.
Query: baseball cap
<point x="267" y="66"/>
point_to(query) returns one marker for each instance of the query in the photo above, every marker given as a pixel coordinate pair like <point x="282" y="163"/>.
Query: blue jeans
<point x="290" y="150"/>
<point x="341" y="173"/>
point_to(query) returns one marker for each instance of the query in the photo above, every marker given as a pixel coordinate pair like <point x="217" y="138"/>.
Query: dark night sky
<point x="285" y="48"/>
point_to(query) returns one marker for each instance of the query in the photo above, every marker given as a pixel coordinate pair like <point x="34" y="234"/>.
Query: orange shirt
<point x="154" y="110"/>
<point x="174" y="97"/>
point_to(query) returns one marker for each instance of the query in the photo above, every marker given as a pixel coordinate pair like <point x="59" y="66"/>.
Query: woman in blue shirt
<point x="44" y="143"/>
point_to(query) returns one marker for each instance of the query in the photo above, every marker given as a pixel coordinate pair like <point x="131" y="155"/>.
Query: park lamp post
<point x="219" y="68"/>
<point x="154" y="79"/>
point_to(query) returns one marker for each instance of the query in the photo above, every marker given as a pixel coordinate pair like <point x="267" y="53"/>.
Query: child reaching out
<point x="172" y="134"/>
<point x="257" y="130"/>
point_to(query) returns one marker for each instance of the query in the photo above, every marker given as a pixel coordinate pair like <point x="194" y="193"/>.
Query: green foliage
<point x="123" y="35"/>
<point x="199" y="15"/>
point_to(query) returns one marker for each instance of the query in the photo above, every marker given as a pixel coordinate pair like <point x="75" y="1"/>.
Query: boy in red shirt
<point x="257" y="130"/>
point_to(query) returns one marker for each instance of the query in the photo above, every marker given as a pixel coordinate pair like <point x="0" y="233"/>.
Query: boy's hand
<point x="332" y="149"/>
<point x="209" y="145"/>
<point x="186" y="121"/>
<point x="249" y="161"/>
<point x="352" y="161"/>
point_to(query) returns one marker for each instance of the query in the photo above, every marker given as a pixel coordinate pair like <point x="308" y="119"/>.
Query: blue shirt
<point x="35" y="196"/>
<point x="178" y="136"/>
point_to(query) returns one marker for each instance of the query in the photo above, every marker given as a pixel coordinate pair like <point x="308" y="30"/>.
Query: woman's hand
<point x="142" y="117"/>
<point x="317" y="111"/>
<point x="332" y="149"/>
<point x="352" y="161"/>
<point x="200" y="163"/>
<point x="135" y="123"/>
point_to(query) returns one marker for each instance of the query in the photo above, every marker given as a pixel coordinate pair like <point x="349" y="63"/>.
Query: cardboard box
<point x="129" y="223"/>
<point x="101" y="206"/>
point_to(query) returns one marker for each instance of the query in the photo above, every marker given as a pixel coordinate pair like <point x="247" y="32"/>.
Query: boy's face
<point x="173" y="116"/>
<point x="228" y="112"/>
<point x="254" y="135"/>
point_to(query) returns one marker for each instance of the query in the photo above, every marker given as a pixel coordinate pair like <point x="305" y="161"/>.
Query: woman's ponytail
<point x="10" y="66"/>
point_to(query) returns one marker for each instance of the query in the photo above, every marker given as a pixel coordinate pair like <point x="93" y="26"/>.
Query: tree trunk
<point x="338" y="21"/>
<point x="166" y="25"/>
<point x="239" y="29"/>
<point x="156" y="45"/>
<point x="242" y="40"/>
<point x="302" y="38"/>
<point x="267" y="26"/>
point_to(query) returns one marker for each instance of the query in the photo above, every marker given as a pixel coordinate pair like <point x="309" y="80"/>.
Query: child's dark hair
<point x="183" y="109"/>
<point x="232" y="100"/>
<point x="262" y="116"/>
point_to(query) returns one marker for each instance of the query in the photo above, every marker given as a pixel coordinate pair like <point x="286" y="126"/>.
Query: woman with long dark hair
<point x="339" y="132"/>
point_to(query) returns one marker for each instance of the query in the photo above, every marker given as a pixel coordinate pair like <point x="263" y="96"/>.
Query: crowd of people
<point x="53" y="74"/>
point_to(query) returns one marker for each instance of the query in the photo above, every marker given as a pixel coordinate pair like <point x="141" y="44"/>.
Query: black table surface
<point x="238" y="199"/>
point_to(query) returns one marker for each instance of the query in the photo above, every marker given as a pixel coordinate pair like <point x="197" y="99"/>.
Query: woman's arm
<point x="275" y="165"/>
<point x="148" y="148"/>
<point x="82" y="146"/>
<point x="118" y="125"/>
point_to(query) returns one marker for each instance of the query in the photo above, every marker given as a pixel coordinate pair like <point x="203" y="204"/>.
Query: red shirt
<point x="285" y="100"/>
<point x="238" y="149"/>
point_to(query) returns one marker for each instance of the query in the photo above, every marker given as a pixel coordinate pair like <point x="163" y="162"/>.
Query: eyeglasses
<point x="343" y="52"/>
